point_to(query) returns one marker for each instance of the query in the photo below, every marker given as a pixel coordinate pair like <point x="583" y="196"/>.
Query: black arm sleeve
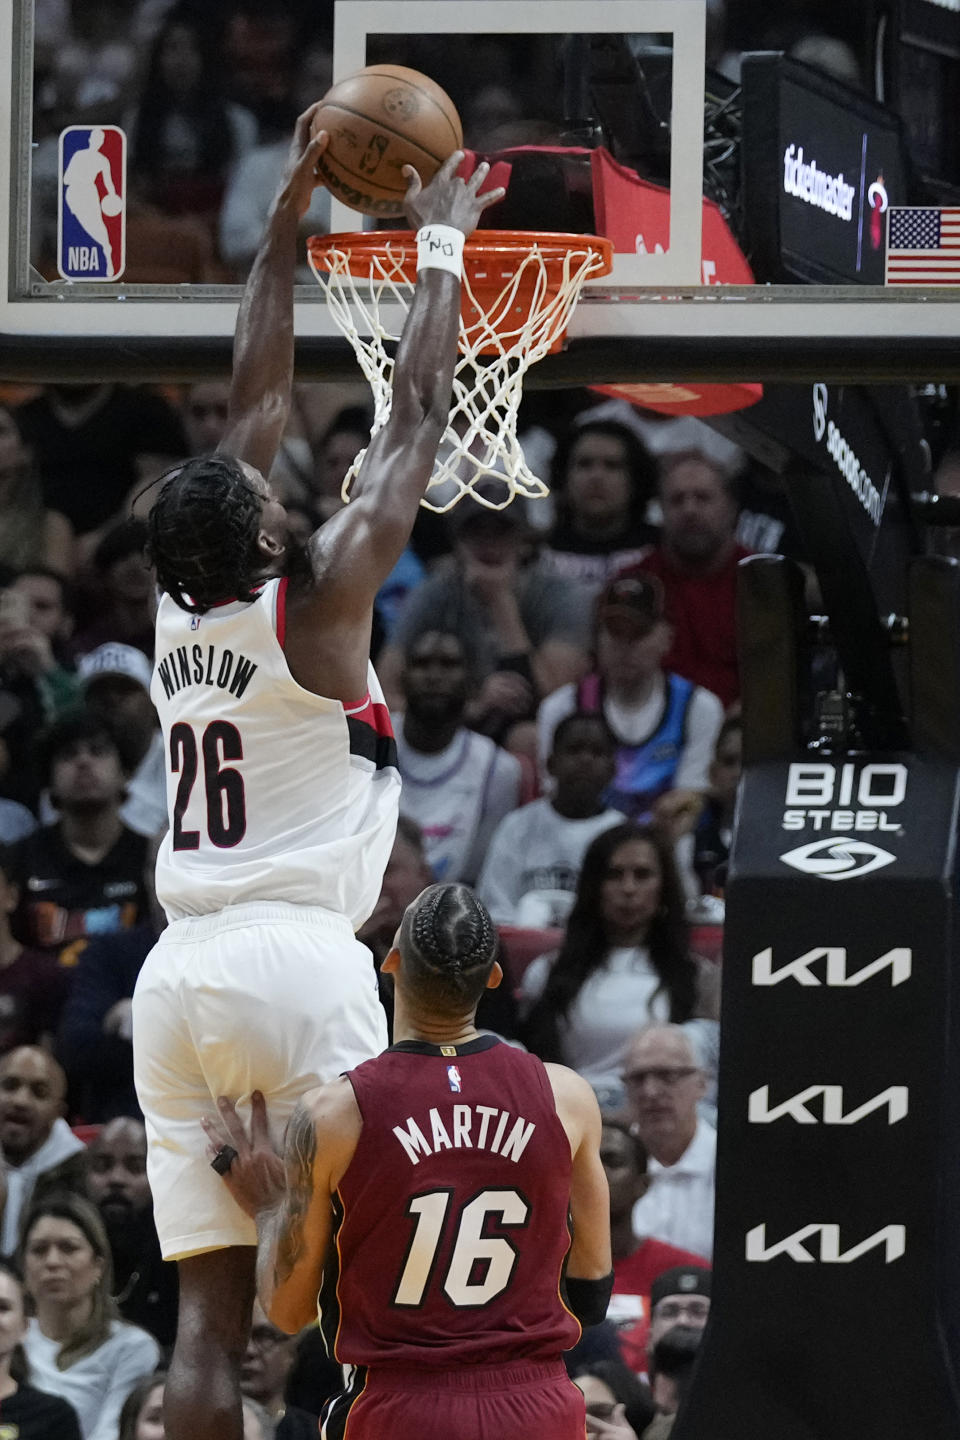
<point x="588" y="1299"/>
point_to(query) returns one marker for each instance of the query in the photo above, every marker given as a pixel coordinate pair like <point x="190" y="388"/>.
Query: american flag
<point x="923" y="246"/>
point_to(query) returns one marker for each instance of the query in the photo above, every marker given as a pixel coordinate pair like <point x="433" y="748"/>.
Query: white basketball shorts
<point x="270" y="997"/>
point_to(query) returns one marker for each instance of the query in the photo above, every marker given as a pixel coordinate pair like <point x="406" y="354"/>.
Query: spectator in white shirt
<point x="624" y="962"/>
<point x="530" y="874"/>
<point x="75" y="1346"/>
<point x="457" y="785"/>
<point x="664" y="1084"/>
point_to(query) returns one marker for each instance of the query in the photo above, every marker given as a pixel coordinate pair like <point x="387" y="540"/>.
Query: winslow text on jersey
<point x="210" y="665"/>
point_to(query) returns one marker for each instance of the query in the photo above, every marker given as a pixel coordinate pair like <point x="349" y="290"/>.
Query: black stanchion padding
<point x="837" y="1264"/>
<point x="771" y="622"/>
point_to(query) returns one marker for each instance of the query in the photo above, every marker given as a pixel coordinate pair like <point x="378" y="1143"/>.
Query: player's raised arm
<point x="262" y="382"/>
<point x="356" y="549"/>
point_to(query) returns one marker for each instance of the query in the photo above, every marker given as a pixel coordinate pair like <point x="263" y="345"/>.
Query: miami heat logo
<point x="879" y="204"/>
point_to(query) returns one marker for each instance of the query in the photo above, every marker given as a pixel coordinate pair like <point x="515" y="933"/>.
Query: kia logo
<point x="820" y="393"/>
<point x="839" y="858"/>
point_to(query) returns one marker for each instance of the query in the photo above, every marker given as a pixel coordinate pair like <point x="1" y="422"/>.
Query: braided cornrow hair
<point x="203" y="529"/>
<point x="449" y="944"/>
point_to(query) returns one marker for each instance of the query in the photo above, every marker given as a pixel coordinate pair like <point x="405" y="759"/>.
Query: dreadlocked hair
<point x="449" y="945"/>
<point x="203" y="529"/>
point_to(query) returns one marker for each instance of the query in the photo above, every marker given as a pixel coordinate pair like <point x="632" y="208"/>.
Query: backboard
<point x="623" y="127"/>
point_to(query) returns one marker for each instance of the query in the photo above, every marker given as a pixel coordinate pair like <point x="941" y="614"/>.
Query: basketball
<point x="379" y="120"/>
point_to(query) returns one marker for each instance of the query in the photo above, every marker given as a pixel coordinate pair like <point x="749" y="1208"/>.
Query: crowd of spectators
<point x="553" y="684"/>
<point x="563" y="681"/>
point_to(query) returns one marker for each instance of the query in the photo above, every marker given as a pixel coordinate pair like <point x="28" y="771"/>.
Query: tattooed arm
<point x="293" y="1212"/>
<point x="293" y="1235"/>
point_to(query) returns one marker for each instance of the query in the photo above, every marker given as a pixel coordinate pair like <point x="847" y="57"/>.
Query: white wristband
<point x="440" y="247"/>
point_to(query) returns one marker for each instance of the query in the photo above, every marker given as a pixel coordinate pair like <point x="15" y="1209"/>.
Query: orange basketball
<point x="379" y="120"/>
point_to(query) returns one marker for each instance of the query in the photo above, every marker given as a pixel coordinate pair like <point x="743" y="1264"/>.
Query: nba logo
<point x="453" y="1075"/>
<point x="91" y="228"/>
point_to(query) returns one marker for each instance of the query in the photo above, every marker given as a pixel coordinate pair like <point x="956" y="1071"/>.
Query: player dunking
<point x="443" y="1171"/>
<point x="282" y="787"/>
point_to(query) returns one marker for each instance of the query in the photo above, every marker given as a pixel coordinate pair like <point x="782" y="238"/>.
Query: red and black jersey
<point x="452" y="1217"/>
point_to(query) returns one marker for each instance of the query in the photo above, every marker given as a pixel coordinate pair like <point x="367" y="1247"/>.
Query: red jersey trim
<point x="282" y="611"/>
<point x="372" y="713"/>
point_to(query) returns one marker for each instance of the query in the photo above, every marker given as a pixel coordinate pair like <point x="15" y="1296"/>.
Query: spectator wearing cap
<point x="672" y="1361"/>
<point x="116" y="686"/>
<point x="679" y="1299"/>
<point x="83" y="875"/>
<point x="457" y="785"/>
<point x="529" y="877"/>
<point x="664" y="725"/>
<point x="664" y="1083"/>
<point x="524" y="627"/>
<point x="125" y="591"/>
<point x="696" y="563"/>
<point x="603" y="480"/>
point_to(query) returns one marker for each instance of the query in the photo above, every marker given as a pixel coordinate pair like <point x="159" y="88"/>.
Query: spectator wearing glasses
<point x="264" y="1374"/>
<point x="664" y="1083"/>
<point x="680" y="1302"/>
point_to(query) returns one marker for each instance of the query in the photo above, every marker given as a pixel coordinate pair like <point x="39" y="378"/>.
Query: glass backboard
<point x="749" y="195"/>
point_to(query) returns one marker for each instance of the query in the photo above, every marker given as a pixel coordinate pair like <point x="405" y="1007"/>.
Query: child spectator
<point x="665" y="726"/>
<point x="529" y="877"/>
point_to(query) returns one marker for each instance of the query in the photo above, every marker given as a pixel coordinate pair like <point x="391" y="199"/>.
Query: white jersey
<point x="273" y="793"/>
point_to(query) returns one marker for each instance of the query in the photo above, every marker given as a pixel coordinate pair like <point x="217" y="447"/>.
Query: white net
<point x="515" y="307"/>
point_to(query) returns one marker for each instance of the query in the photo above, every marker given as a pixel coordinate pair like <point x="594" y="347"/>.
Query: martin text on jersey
<point x="466" y="1127"/>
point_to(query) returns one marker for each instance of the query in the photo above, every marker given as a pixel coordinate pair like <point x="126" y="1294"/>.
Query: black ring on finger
<point x="223" y="1159"/>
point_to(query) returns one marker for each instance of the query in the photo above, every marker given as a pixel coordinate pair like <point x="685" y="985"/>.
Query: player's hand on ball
<point x="448" y="200"/>
<point x="300" y="177"/>
<point x="256" y="1178"/>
